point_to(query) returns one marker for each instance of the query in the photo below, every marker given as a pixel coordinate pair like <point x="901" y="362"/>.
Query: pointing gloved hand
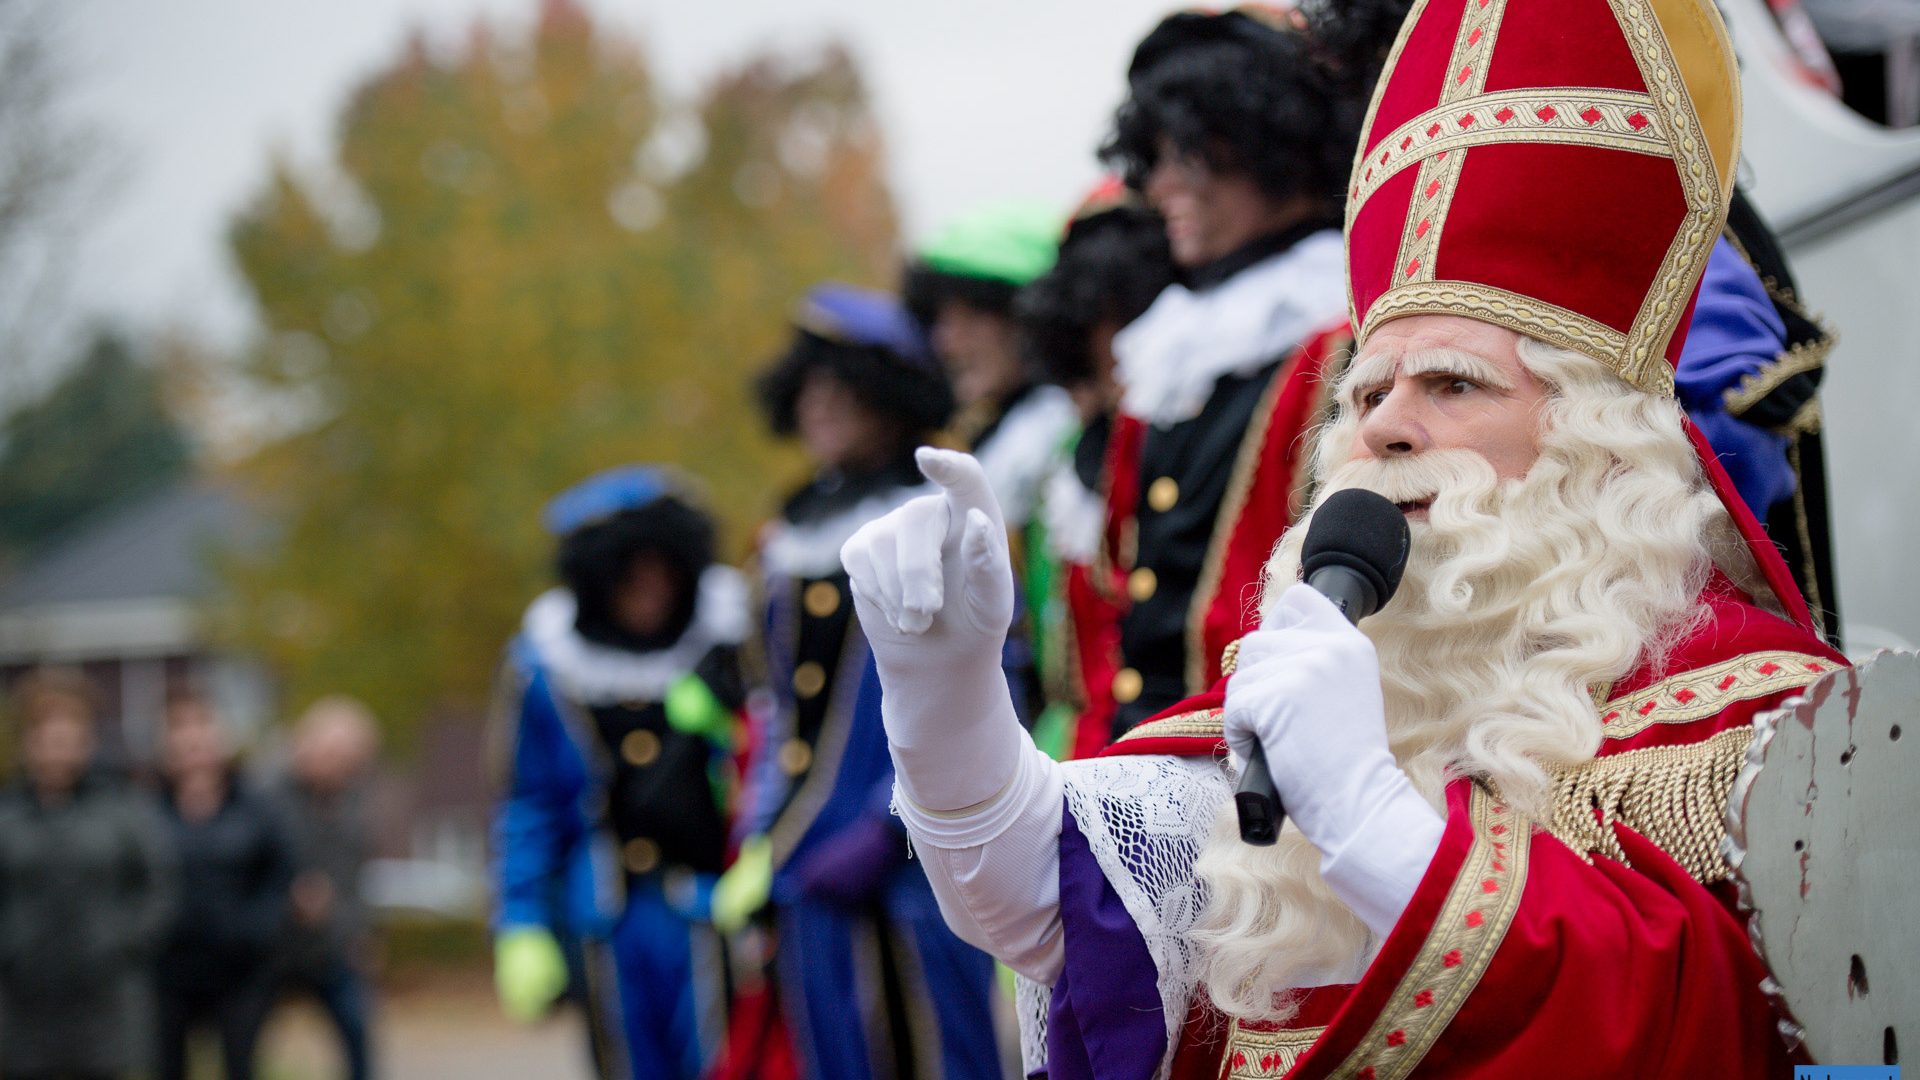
<point x="529" y="971"/>
<point x="933" y="586"/>
<point x="1307" y="687"/>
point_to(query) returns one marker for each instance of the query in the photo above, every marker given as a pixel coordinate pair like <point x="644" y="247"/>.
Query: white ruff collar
<point x="1168" y="359"/>
<point x="1017" y="455"/>
<point x="812" y="550"/>
<point x="594" y="674"/>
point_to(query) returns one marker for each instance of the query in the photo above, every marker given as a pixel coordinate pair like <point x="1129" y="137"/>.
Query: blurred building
<point x="121" y="598"/>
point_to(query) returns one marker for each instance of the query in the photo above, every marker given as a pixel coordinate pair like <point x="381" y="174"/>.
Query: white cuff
<point x="1035" y="780"/>
<point x="1376" y="871"/>
<point x="995" y="866"/>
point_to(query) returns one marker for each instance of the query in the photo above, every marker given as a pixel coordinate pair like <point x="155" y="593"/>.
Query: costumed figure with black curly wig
<point x="960" y="287"/>
<point x="1113" y="262"/>
<point x="872" y="981"/>
<point x="621" y="698"/>
<point x="1238" y="128"/>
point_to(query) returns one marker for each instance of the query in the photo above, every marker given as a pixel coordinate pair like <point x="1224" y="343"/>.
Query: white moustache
<point x="1415" y="478"/>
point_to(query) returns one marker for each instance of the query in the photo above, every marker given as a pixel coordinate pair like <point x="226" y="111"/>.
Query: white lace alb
<point x="1146" y="819"/>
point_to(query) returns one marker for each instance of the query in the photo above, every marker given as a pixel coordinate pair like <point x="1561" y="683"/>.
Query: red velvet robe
<point x="1613" y="950"/>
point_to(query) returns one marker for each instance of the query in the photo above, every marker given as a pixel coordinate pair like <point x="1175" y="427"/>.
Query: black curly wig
<point x="1252" y="94"/>
<point x="925" y="290"/>
<point x="916" y="394"/>
<point x="594" y="559"/>
<point x="1111" y="267"/>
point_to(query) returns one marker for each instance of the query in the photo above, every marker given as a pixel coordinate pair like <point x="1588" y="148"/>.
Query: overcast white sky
<point x="980" y="99"/>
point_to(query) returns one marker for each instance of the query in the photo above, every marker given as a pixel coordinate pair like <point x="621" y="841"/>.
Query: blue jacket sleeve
<point x="539" y="823"/>
<point x="1735" y="333"/>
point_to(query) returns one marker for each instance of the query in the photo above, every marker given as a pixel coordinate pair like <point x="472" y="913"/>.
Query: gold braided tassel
<point x="1675" y="796"/>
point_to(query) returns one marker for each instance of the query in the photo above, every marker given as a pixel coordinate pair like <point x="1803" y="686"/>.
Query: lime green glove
<point x="529" y="972"/>
<point x="692" y="707"/>
<point x="743" y="889"/>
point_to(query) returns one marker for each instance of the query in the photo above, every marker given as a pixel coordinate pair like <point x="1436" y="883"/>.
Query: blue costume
<point x="1735" y="334"/>
<point x="873" y="982"/>
<point x="1749" y="378"/>
<point x="613" y="821"/>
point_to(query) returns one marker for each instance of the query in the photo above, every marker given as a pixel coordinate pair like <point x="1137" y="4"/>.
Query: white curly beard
<point x="1519" y="598"/>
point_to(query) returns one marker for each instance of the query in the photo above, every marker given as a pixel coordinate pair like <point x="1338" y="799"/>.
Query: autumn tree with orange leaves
<point x="533" y="267"/>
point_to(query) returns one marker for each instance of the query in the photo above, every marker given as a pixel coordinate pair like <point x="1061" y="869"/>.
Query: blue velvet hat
<point x="849" y="315"/>
<point x="604" y="494"/>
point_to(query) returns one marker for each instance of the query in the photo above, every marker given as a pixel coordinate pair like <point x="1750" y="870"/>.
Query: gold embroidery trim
<point x="1465" y="935"/>
<point x="1439" y="175"/>
<point x="1566" y="328"/>
<point x="1705" y="691"/>
<point x="1239" y="486"/>
<point x="1616" y="119"/>
<point x="1675" y="796"/>
<point x="1201" y="723"/>
<point x="1230" y="658"/>
<point x="1661" y="122"/>
<point x="1258" y="1055"/>
<point x="1361" y="153"/>
<point x="1808" y="420"/>
<point x="1802" y="358"/>
<point x="1645" y="364"/>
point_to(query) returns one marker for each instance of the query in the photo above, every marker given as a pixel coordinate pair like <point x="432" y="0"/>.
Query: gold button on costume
<point x="809" y="679"/>
<point x="795" y="756"/>
<point x="640" y="748"/>
<point x="1127" y="685"/>
<point x="821" y="599"/>
<point x="640" y="855"/>
<point x="1142" y="584"/>
<point x="1162" y="494"/>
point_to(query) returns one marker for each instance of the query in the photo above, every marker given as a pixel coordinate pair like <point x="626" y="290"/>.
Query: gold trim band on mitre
<point x="1570" y="115"/>
<point x="1523" y="314"/>
<point x="1707" y="192"/>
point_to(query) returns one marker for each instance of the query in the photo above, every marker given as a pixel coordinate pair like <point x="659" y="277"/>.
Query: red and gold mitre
<point x="1559" y="167"/>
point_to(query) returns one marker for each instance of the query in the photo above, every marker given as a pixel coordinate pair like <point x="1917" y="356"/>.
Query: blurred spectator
<point x="86" y="887"/>
<point x="236" y="873"/>
<point x="324" y="797"/>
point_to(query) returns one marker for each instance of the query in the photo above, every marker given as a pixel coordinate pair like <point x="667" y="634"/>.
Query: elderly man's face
<point x="1444" y="382"/>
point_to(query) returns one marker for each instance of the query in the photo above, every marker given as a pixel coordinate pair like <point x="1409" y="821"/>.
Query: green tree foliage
<point x="544" y="270"/>
<point x="101" y="436"/>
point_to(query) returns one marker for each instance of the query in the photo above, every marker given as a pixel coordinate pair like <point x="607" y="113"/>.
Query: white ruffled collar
<point x="594" y="674"/>
<point x="1018" y="454"/>
<point x="812" y="549"/>
<point x="1169" y="358"/>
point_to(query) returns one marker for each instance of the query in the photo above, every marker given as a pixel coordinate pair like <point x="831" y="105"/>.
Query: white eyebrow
<point x="1380" y="369"/>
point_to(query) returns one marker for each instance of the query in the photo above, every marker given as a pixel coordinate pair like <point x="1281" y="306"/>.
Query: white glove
<point x="933" y="586"/>
<point x="1307" y="687"/>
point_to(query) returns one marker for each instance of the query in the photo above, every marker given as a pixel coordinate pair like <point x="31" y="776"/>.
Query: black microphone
<point x="1355" y="552"/>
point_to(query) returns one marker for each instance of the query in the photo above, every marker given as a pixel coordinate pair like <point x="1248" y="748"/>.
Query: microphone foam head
<point x="1363" y="531"/>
